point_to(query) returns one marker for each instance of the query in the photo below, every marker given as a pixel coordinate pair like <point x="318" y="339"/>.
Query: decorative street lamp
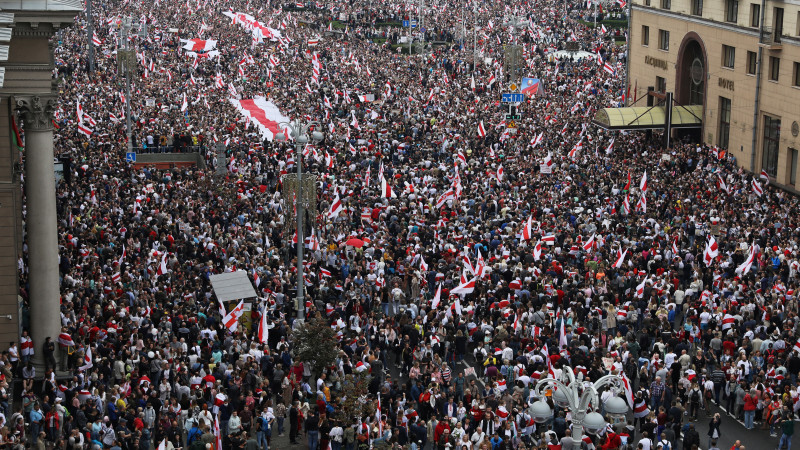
<point x="570" y="394"/>
<point x="300" y="134"/>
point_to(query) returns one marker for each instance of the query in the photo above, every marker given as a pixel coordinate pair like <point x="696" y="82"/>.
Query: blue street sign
<point x="413" y="24"/>
<point x="405" y="24"/>
<point x="130" y="157"/>
<point x="512" y="97"/>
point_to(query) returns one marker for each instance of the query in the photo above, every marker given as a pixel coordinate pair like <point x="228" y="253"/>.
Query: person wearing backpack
<point x="695" y="399"/>
<point x="194" y="433"/>
<point x="264" y="427"/>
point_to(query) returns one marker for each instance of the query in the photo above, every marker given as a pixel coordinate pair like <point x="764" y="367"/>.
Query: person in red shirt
<point x="613" y="441"/>
<point x="440" y="427"/>
<point x="750" y="405"/>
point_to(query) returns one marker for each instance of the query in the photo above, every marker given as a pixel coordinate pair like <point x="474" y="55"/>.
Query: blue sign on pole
<point x="512" y="97"/>
<point x="413" y="24"/>
<point x="405" y="24"/>
<point x="130" y="157"/>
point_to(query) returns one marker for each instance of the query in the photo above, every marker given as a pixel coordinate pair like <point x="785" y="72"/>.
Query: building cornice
<point x="697" y="20"/>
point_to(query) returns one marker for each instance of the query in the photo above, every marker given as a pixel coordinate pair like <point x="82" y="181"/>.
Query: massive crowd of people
<point x="566" y="245"/>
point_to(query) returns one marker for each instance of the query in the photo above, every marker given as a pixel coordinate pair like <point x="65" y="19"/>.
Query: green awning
<point x="646" y="117"/>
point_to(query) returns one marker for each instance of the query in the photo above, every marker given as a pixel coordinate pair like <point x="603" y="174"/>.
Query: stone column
<point x="41" y="221"/>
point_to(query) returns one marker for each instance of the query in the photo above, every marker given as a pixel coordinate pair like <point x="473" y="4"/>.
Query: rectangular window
<point x="697" y="7"/>
<point x="796" y="75"/>
<point x="797" y="29"/>
<point x="728" y="56"/>
<point x="793" y="166"/>
<point x="774" y="68"/>
<point x="732" y="11"/>
<point x="645" y="35"/>
<point x="777" y="22"/>
<point x="751" y="63"/>
<point x="772" y="137"/>
<point x="646" y="2"/>
<point x="663" y="39"/>
<point x="661" y="84"/>
<point x="755" y="15"/>
<point x="724" y="122"/>
<point x="666" y="4"/>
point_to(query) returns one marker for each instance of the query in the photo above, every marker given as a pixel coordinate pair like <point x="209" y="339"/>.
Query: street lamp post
<point x="576" y="397"/>
<point x="299" y="133"/>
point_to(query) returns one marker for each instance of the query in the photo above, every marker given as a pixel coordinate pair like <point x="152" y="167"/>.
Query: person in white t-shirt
<point x="645" y="442"/>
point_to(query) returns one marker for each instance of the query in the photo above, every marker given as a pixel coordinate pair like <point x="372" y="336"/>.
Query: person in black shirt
<point x="293" y="422"/>
<point x="48" y="350"/>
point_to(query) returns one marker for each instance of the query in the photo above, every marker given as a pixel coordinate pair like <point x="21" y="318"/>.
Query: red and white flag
<point x="711" y="251"/>
<point x="537" y="251"/>
<point x="386" y="189"/>
<point x="263" y="114"/>
<point x="231" y="320"/>
<point x="481" y="130"/>
<point x="464" y="288"/>
<point x="620" y="258"/>
<point x="336" y="207"/>
<point x="764" y="176"/>
<point x="751" y="257"/>
<point x="65" y="340"/>
<point x="643" y="182"/>
<point x="87" y="360"/>
<point x="500" y="173"/>
<point x="640" y="289"/>
<point x="527" y="230"/>
<point x="589" y="244"/>
<point x="217" y="434"/>
<point x="626" y="383"/>
<point x="263" y="327"/>
<point x="757" y="189"/>
<point x="162" y="266"/>
<point x="437" y="298"/>
<point x="199" y="45"/>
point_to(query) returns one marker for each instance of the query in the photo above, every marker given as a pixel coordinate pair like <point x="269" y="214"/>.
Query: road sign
<point x="130" y="157"/>
<point x="512" y="97"/>
<point x="414" y="24"/>
<point x="405" y="24"/>
<point x="513" y="87"/>
<point x="513" y="117"/>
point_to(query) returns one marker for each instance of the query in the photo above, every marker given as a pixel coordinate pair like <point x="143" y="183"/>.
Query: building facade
<point x="28" y="94"/>
<point x="740" y="59"/>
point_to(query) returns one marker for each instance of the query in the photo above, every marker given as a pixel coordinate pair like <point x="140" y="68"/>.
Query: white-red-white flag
<point x="757" y="189"/>
<point x="481" y="130"/>
<point x="464" y="288"/>
<point x="336" y="207"/>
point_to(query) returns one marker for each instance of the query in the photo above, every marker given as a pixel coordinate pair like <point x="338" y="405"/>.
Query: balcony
<point x="771" y="39"/>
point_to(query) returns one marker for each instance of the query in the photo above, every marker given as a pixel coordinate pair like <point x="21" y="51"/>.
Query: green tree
<point x="315" y="345"/>
<point x="353" y="402"/>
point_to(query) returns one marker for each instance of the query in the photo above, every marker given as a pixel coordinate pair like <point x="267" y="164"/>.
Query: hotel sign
<point x="726" y="84"/>
<point x="655" y="62"/>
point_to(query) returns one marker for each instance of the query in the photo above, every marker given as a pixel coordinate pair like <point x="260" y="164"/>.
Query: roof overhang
<point x="648" y="117"/>
<point x="232" y="286"/>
